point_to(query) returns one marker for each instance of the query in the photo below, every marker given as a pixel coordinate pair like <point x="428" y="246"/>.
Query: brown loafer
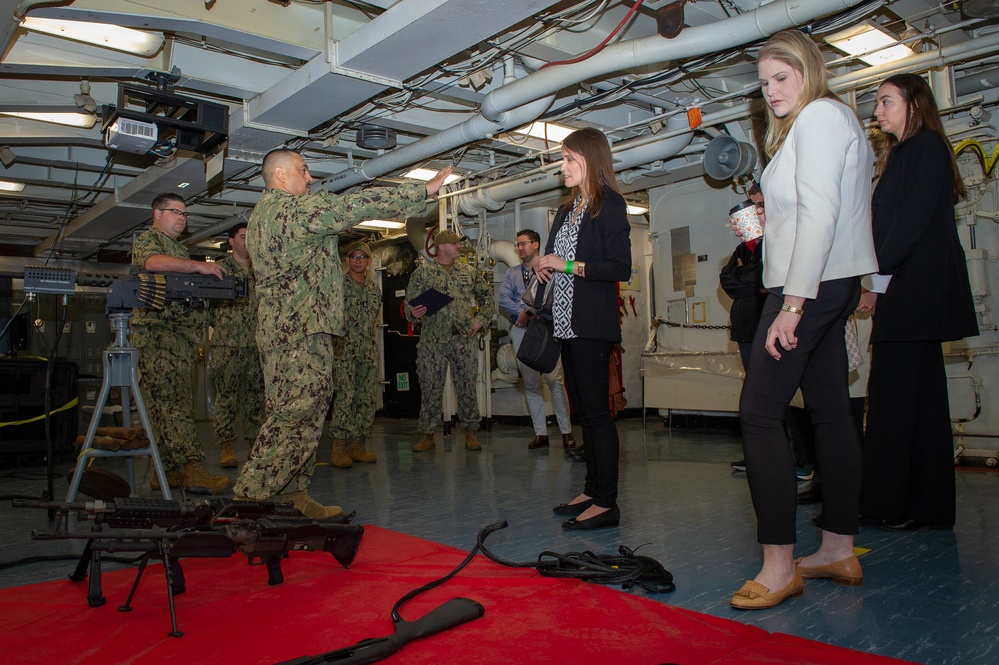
<point x="539" y="441"/>
<point x="755" y="596"/>
<point x="568" y="442"/>
<point x="846" y="572"/>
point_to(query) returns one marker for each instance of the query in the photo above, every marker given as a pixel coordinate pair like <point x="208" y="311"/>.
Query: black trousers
<point x="819" y="367"/>
<point x="909" y="445"/>
<point x="586" y="366"/>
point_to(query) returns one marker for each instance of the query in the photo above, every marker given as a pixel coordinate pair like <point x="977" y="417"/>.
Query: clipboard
<point x="432" y="299"/>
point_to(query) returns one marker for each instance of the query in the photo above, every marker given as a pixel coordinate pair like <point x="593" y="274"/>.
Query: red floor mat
<point x="230" y="615"/>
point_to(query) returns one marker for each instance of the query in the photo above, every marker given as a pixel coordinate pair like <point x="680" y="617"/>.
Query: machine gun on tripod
<point x="142" y="290"/>
<point x="167" y="530"/>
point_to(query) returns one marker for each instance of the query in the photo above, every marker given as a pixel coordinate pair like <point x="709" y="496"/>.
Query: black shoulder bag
<point x="539" y="349"/>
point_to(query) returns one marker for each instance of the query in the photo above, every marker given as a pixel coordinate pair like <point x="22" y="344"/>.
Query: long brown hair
<point x="799" y="52"/>
<point x="592" y="146"/>
<point x="921" y="112"/>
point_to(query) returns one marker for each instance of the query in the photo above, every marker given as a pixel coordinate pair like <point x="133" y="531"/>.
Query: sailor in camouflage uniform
<point x="293" y="245"/>
<point x="356" y="366"/>
<point x="235" y="361"/>
<point x="167" y="341"/>
<point x="449" y="336"/>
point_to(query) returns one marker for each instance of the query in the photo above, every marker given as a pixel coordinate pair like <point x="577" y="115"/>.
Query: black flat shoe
<point x="605" y="519"/>
<point x="904" y="525"/>
<point x="572" y="509"/>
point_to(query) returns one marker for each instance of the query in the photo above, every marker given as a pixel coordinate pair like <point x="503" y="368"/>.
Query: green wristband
<point x="568" y="267"/>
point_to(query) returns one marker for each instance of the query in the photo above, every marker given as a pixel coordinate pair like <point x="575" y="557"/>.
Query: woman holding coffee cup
<point x="817" y="245"/>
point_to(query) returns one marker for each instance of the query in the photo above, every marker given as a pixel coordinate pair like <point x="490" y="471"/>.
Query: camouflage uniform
<point x="293" y="245"/>
<point x="356" y="367"/>
<point x="445" y="338"/>
<point x="168" y="343"/>
<point x="235" y="361"/>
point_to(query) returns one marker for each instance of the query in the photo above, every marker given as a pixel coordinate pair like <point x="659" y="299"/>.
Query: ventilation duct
<point x="373" y="137"/>
<point x="980" y="8"/>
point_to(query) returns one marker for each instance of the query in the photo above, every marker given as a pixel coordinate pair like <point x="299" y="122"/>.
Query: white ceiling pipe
<point x="504" y="251"/>
<point x="921" y="62"/>
<point x="473" y="129"/>
<point x="636" y="53"/>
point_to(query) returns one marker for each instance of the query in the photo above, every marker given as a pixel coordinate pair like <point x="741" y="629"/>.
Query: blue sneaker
<point x="803" y="473"/>
<point x="740" y="465"/>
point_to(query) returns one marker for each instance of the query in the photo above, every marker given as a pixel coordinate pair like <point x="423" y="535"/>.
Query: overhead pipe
<point x="633" y="54"/>
<point x="524" y="100"/>
<point x="474" y="129"/>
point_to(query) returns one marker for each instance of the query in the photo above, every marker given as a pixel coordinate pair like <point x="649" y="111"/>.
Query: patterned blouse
<point x="565" y="246"/>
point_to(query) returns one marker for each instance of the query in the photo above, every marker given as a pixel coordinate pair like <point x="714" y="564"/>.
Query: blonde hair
<point x="799" y="52"/>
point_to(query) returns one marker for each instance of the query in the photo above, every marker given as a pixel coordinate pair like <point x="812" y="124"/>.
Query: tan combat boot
<point x="340" y="458"/>
<point x="227" y="454"/>
<point x="196" y="475"/>
<point x="358" y="453"/>
<point x="472" y="441"/>
<point x="308" y="506"/>
<point x="175" y="479"/>
<point x="426" y="442"/>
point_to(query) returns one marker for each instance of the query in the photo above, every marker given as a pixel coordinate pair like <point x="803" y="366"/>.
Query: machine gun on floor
<point x="209" y="528"/>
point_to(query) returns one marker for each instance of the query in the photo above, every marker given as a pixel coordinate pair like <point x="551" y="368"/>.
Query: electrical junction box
<point x="132" y="136"/>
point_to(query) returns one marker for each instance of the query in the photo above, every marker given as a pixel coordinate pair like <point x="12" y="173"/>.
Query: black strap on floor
<point x="626" y="569"/>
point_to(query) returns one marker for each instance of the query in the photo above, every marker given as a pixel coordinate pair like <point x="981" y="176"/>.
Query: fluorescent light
<point x="866" y="37"/>
<point x="380" y="224"/>
<point x="427" y="174"/>
<point x="546" y="130"/>
<point x="7" y="186"/>
<point x="636" y="210"/>
<point x="98" y="34"/>
<point x="84" y="120"/>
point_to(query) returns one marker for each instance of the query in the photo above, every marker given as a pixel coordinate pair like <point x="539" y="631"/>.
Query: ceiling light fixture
<point x="427" y="174"/>
<point x="98" y="34"/>
<point x="72" y="119"/>
<point x="546" y="130"/>
<point x="636" y="209"/>
<point x="870" y="43"/>
<point x="380" y="224"/>
<point x="7" y="186"/>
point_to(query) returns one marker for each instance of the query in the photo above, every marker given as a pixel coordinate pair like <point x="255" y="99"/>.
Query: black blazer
<point x="604" y="244"/>
<point x="743" y="284"/>
<point x="915" y="237"/>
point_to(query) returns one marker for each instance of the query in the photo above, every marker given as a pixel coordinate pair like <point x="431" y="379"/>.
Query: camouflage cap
<point x="359" y="246"/>
<point x="447" y="237"/>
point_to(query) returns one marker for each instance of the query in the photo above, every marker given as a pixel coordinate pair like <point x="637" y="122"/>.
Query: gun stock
<point x="452" y="613"/>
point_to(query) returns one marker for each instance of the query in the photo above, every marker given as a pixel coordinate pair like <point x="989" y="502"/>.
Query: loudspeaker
<point x="726" y="158"/>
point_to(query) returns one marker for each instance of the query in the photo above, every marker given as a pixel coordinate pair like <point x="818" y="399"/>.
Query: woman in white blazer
<point x="818" y="243"/>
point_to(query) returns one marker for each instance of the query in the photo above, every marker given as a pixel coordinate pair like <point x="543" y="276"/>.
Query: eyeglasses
<point x="357" y="257"/>
<point x="180" y="213"/>
<point x="523" y="243"/>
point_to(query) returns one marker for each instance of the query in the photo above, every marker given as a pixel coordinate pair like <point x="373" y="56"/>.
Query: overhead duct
<point x="516" y="103"/>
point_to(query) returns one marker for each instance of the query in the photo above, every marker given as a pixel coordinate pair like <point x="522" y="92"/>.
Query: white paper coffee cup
<point x="745" y="216"/>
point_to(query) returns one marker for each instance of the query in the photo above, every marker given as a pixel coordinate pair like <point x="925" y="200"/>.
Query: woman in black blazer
<point x="588" y="252"/>
<point x="908" y="447"/>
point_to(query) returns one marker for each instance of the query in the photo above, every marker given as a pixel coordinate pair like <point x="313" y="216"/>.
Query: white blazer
<point x="817" y="193"/>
